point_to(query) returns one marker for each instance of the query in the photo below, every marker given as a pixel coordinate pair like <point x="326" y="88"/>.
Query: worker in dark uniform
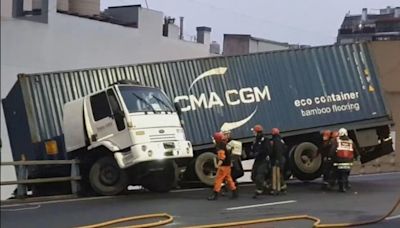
<point x="331" y="156"/>
<point x="327" y="160"/>
<point x="223" y="167"/>
<point x="345" y="154"/>
<point x="279" y="149"/>
<point x="261" y="150"/>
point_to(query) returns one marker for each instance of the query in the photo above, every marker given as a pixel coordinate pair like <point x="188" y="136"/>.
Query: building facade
<point x="237" y="44"/>
<point x="370" y="27"/>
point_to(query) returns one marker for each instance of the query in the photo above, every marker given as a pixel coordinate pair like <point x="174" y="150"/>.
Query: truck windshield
<point x="144" y="99"/>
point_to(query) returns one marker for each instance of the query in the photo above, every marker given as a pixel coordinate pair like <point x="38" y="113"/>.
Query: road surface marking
<point x="374" y="174"/>
<point x="59" y="201"/>
<point x="260" y="205"/>
<point x="189" y="190"/>
<point x="393" y="217"/>
<point x="22" y="209"/>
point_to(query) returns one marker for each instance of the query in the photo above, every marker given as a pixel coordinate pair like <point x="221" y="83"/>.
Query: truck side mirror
<point x="119" y="120"/>
<point x="178" y="109"/>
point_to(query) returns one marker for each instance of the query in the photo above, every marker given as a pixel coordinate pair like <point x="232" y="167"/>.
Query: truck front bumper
<point x="154" y="151"/>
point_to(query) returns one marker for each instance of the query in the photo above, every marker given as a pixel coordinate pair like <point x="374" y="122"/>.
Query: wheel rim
<point x="209" y="169"/>
<point x="109" y="175"/>
<point x="308" y="161"/>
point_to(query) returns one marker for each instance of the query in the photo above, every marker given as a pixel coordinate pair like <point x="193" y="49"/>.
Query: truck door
<point x="108" y="119"/>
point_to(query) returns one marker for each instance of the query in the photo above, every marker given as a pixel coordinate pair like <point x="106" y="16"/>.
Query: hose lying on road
<point x="317" y="221"/>
<point x="166" y="218"/>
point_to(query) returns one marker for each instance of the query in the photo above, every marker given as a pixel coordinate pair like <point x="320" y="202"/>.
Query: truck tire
<point x="305" y="162"/>
<point x="161" y="181"/>
<point x="205" y="168"/>
<point x="106" y="178"/>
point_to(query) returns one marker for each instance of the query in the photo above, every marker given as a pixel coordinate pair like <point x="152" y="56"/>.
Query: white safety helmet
<point x="342" y="132"/>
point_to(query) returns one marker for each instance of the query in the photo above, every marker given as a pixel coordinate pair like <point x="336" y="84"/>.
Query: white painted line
<point x="260" y="205"/>
<point x="393" y="217"/>
<point x="59" y="201"/>
<point x="375" y="174"/>
<point x="189" y="190"/>
<point x="22" y="209"/>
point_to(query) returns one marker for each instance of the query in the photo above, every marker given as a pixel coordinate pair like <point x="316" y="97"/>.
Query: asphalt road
<point x="371" y="196"/>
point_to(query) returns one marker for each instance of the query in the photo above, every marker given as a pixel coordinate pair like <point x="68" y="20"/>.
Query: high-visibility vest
<point x="344" y="149"/>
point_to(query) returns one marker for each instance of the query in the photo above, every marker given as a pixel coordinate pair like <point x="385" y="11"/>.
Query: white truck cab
<point x="123" y="126"/>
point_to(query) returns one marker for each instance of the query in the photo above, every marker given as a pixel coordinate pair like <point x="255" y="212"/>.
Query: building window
<point x="32" y="10"/>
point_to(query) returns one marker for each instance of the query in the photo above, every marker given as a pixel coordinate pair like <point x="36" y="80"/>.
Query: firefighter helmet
<point x="257" y="128"/>
<point x="219" y="137"/>
<point x="343" y="132"/>
<point x="326" y="134"/>
<point x="275" y="131"/>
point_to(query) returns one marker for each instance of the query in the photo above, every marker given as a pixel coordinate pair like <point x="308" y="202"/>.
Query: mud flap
<point x="386" y="147"/>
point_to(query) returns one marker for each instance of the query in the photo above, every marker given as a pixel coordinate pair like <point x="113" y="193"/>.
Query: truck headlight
<point x="144" y="148"/>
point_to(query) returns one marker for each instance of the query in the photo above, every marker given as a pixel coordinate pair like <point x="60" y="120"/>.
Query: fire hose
<point x="168" y="219"/>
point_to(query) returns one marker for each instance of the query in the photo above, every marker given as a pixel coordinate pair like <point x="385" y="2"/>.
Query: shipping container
<point x="300" y="91"/>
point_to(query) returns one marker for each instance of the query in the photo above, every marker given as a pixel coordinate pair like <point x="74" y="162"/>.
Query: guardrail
<point x="22" y="175"/>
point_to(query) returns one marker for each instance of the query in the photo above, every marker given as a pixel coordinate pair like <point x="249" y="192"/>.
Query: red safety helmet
<point x="275" y="131"/>
<point x="326" y="134"/>
<point x="219" y="137"/>
<point x="335" y="134"/>
<point x="258" y="128"/>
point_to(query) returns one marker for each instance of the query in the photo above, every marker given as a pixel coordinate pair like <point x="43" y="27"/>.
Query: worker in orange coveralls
<point x="224" y="167"/>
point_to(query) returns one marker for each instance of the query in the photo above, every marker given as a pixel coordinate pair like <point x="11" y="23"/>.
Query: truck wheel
<point x="305" y="162"/>
<point x="205" y="168"/>
<point x="161" y="181"/>
<point x="106" y="178"/>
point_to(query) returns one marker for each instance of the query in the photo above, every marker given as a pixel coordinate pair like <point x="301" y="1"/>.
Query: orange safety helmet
<point x="258" y="128"/>
<point x="326" y="134"/>
<point x="335" y="134"/>
<point x="219" y="137"/>
<point x="275" y="131"/>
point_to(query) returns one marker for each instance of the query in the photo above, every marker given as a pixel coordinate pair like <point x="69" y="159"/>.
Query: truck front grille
<point x="162" y="137"/>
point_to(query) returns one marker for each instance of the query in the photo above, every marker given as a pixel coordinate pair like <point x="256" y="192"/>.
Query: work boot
<point x="234" y="194"/>
<point x="224" y="190"/>
<point x="256" y="194"/>
<point x="273" y="192"/>
<point x="213" y="196"/>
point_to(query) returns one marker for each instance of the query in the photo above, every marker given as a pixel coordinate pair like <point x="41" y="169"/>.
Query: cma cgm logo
<point x="230" y="97"/>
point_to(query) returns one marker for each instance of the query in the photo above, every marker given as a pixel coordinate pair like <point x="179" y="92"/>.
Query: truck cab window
<point x="116" y="110"/>
<point x="100" y="106"/>
<point x="113" y="101"/>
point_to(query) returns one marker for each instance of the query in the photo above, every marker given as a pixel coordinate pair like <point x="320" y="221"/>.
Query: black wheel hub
<point x="109" y="175"/>
<point x="209" y="169"/>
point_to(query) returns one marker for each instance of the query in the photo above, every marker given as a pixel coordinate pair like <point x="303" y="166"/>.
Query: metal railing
<point x="23" y="173"/>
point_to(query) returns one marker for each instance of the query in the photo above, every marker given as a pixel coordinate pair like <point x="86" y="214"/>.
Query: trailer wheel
<point x="106" y="178"/>
<point x="161" y="181"/>
<point x="305" y="162"/>
<point x="205" y="168"/>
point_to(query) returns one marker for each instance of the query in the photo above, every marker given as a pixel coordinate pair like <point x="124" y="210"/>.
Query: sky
<point x="311" y="22"/>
